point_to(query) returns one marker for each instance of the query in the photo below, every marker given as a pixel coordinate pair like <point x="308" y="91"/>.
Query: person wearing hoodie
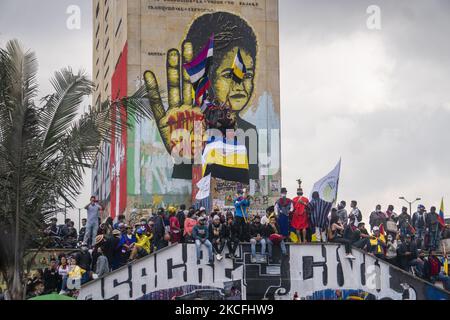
<point x="257" y="236"/>
<point x="200" y="234"/>
<point x="242" y="204"/>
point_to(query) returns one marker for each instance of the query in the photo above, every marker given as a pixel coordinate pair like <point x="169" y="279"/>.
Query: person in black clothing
<point x="359" y="237"/>
<point x="336" y="233"/>
<point x="407" y="253"/>
<point x="217" y="237"/>
<point x="112" y="250"/>
<point x="82" y="231"/>
<point x="257" y="236"/>
<point x="84" y="261"/>
<point x="231" y="235"/>
<point x="181" y="216"/>
<point x="51" y="277"/>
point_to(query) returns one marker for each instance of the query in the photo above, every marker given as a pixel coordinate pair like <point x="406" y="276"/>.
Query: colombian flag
<point x="441" y="214"/>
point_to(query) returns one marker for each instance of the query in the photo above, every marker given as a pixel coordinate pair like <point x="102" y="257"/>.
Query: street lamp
<point x="410" y="203"/>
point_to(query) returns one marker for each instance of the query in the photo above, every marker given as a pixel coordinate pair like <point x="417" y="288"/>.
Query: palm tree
<point x="45" y="148"/>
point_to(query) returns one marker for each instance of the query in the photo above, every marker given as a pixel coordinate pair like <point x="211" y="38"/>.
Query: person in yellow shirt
<point x="142" y="246"/>
<point x="377" y="244"/>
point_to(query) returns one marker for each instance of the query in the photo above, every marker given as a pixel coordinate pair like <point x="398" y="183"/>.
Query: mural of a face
<point x="226" y="89"/>
<point x="231" y="33"/>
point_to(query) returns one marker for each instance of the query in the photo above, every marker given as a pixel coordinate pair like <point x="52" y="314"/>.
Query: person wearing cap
<point x="127" y="242"/>
<point x="200" y="233"/>
<point x="241" y="205"/>
<point x="257" y="236"/>
<point x="419" y="224"/>
<point x="284" y="208"/>
<point x="377" y="243"/>
<point x="93" y="215"/>
<point x="120" y="220"/>
<point x="391" y="250"/>
<point x="217" y="236"/>
<point x="300" y="221"/>
<point x="175" y="228"/>
<point x="142" y="246"/>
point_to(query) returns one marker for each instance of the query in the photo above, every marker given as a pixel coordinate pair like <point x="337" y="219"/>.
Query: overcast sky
<point x="380" y="99"/>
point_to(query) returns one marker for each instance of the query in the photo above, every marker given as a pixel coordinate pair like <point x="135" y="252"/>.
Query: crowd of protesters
<point x="408" y="242"/>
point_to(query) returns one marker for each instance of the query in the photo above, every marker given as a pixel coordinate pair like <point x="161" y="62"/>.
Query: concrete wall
<point x="314" y="271"/>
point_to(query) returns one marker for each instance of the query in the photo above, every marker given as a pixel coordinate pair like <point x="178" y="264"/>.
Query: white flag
<point x="204" y="187"/>
<point x="328" y="185"/>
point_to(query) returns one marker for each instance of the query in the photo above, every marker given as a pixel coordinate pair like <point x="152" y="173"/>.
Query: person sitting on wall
<point x="265" y="220"/>
<point x="200" y="234"/>
<point x="377" y="244"/>
<point x="175" y="228"/>
<point x="231" y="234"/>
<point x="120" y="219"/>
<point x="189" y="224"/>
<point x="274" y="237"/>
<point x="142" y="245"/>
<point x="82" y="231"/>
<point x="257" y="236"/>
<point x="127" y="242"/>
<point x="336" y="233"/>
<point x="358" y="237"/>
<point x="217" y="237"/>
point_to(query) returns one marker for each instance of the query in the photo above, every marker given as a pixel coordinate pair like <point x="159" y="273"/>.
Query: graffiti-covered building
<point x="130" y="38"/>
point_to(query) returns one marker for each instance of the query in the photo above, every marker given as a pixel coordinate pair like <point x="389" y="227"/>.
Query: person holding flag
<point x="433" y="228"/>
<point x="241" y="205"/>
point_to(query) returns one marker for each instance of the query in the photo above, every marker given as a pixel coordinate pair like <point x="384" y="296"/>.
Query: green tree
<point x="45" y="148"/>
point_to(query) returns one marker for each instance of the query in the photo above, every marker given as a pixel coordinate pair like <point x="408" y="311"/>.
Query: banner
<point x="328" y="185"/>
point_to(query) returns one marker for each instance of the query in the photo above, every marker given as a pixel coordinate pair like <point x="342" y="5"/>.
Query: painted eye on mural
<point x="227" y="74"/>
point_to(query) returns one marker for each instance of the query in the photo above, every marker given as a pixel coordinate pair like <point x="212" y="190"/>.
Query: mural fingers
<point x="154" y="96"/>
<point x="173" y="78"/>
<point x="188" y="55"/>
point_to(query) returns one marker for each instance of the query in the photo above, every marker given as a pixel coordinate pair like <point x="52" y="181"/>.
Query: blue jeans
<point x="282" y="245"/>
<point x="208" y="245"/>
<point x="434" y="239"/>
<point x="263" y="246"/>
<point x="91" y="233"/>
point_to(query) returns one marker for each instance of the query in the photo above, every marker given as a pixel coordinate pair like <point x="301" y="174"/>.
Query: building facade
<point x="136" y="172"/>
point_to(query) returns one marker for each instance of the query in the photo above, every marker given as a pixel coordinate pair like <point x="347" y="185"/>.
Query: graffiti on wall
<point x="315" y="272"/>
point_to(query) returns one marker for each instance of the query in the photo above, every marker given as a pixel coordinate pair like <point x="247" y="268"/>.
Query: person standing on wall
<point x="284" y="207"/>
<point x="241" y="205"/>
<point x="300" y="217"/>
<point x="93" y="215"/>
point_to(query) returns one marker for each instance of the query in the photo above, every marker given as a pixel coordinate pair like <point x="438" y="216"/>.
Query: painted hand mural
<point x="231" y="33"/>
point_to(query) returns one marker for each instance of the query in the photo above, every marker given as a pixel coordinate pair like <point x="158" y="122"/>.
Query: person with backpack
<point x="419" y="224"/>
<point x="432" y="270"/>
